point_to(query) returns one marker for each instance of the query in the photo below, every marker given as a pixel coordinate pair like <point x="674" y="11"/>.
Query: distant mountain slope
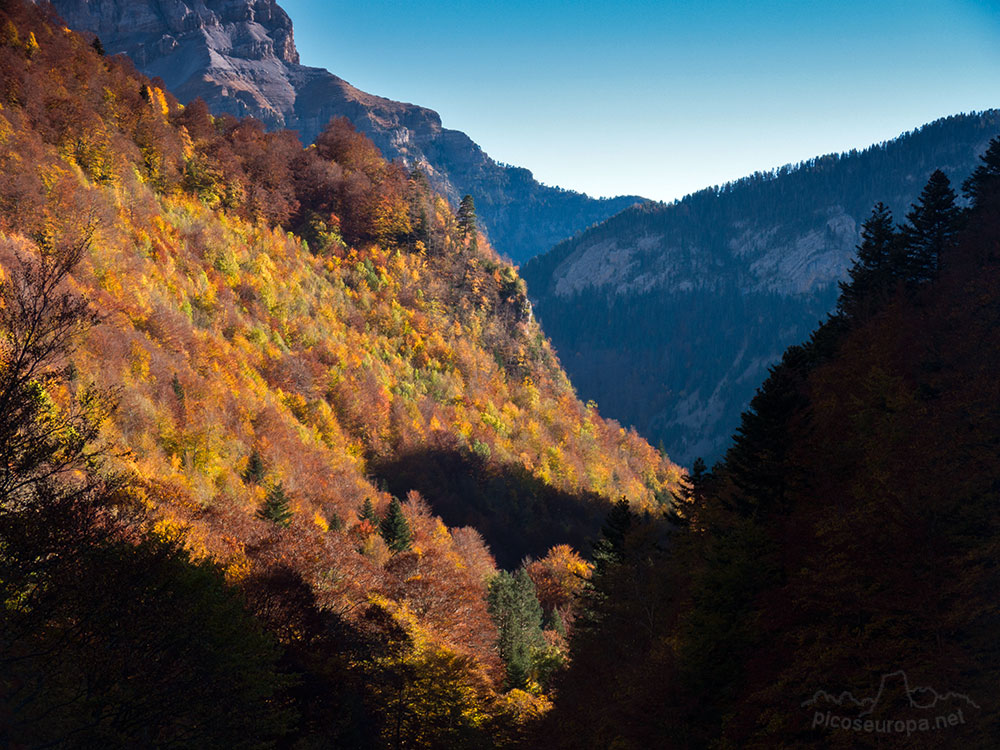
<point x="835" y="576"/>
<point x="669" y="315"/>
<point x="240" y="57"/>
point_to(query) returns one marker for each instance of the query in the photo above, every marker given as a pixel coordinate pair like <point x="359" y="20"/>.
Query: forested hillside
<point x="669" y="315"/>
<point x="240" y="57"/>
<point x="261" y="406"/>
<point x="832" y="582"/>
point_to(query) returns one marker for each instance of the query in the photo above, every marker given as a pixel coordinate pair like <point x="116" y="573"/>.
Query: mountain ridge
<point x="240" y="57"/>
<point x="698" y="297"/>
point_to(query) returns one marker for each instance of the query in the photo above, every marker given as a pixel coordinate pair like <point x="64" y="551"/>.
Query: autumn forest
<point x="287" y="461"/>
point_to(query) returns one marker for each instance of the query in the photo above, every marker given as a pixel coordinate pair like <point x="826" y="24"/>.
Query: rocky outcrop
<point x="240" y="57"/>
<point x="695" y="299"/>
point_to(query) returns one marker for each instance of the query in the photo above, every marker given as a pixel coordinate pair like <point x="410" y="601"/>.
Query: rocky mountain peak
<point x="232" y="53"/>
<point x="240" y="57"/>
<point x="239" y="28"/>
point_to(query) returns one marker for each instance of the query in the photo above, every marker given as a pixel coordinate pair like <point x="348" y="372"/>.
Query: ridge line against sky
<point x="662" y="99"/>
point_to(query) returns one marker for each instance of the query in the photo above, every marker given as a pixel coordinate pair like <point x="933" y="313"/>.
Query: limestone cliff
<point x="668" y="315"/>
<point x="240" y="57"/>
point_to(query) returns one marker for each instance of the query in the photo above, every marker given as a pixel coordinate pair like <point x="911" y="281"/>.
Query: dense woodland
<point x="678" y="348"/>
<point x="270" y="415"/>
<point x="850" y="532"/>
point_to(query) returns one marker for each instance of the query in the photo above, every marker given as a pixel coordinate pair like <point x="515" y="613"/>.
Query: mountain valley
<point x="289" y="461"/>
<point x="669" y="315"/>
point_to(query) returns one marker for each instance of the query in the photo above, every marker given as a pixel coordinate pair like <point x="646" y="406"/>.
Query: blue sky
<point x="663" y="98"/>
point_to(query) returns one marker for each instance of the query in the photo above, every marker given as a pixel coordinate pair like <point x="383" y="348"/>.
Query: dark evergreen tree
<point x="513" y="605"/>
<point x="757" y="459"/>
<point x="178" y="389"/>
<point x="692" y="492"/>
<point x="336" y="522"/>
<point x="255" y="471"/>
<point x="98" y="47"/>
<point x="932" y="224"/>
<point x="276" y="507"/>
<point x="467" y="220"/>
<point x="610" y="548"/>
<point x="876" y="266"/>
<point x="698" y="478"/>
<point x="395" y="529"/>
<point x="368" y="513"/>
<point x="985" y="179"/>
<point x="421" y="229"/>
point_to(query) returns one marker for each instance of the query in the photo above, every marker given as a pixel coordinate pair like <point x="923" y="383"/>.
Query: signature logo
<point x="896" y="708"/>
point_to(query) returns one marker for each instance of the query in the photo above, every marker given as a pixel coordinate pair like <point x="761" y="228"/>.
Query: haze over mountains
<point x="668" y="315"/>
<point x="240" y="57"/>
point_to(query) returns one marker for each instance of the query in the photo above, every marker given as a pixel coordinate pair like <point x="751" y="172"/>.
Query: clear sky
<point x="663" y="98"/>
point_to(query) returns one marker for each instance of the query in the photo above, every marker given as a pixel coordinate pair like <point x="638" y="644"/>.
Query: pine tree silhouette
<point x="985" y="179"/>
<point x="368" y="513"/>
<point x="610" y="548"/>
<point x="255" y="471"/>
<point x="875" y="269"/>
<point x="933" y="224"/>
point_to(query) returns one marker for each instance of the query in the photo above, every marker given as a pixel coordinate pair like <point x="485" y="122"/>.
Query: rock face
<point x="240" y="57"/>
<point x="669" y="315"/>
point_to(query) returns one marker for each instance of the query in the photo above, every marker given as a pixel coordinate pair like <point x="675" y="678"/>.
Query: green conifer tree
<point x="395" y="529"/>
<point x="875" y="269"/>
<point x="178" y="389"/>
<point x="467" y="220"/>
<point x="933" y="224"/>
<point x="368" y="513"/>
<point x="336" y="522"/>
<point x="610" y="548"/>
<point x="985" y="179"/>
<point x="692" y="492"/>
<point x="255" y="471"/>
<point x="513" y="604"/>
<point x="276" y="506"/>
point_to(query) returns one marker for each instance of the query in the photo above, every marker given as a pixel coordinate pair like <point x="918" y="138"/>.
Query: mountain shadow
<point x="517" y="514"/>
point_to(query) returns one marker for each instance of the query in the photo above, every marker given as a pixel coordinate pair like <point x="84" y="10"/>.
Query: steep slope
<point x="669" y="315"/>
<point x="832" y="583"/>
<point x="291" y="336"/>
<point x="240" y="57"/>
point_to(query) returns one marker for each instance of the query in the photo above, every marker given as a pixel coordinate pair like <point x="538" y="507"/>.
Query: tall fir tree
<point x="691" y="493"/>
<point x="875" y="269"/>
<point x="255" y="471"/>
<point x="395" y="529"/>
<point x="610" y="548"/>
<point x="467" y="220"/>
<point x="276" y="507"/>
<point x="368" y="513"/>
<point x="513" y="604"/>
<point x="985" y="179"/>
<point x="932" y="224"/>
